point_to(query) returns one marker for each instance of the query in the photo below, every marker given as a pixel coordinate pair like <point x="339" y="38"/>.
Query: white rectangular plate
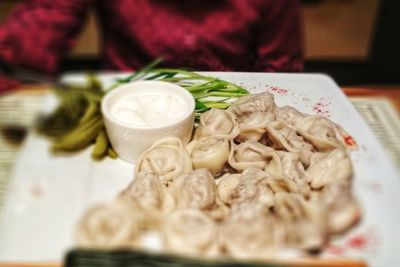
<point x="48" y="194"/>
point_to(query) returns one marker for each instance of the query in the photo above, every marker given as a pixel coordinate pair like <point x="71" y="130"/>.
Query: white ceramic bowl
<point x="130" y="141"/>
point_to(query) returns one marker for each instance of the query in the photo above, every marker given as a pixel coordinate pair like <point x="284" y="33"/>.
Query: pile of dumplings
<point x="256" y="180"/>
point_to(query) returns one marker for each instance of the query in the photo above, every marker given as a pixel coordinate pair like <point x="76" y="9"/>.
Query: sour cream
<point x="140" y="113"/>
<point x="149" y="109"/>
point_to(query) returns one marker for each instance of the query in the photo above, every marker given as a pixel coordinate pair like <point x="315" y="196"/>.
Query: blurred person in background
<point x="219" y="35"/>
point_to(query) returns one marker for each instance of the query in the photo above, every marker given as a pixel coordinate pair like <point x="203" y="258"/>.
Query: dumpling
<point x="327" y="168"/>
<point x="250" y="133"/>
<point x="252" y="188"/>
<point x="253" y="112"/>
<point x="195" y="190"/>
<point x="110" y="225"/>
<point x="294" y="170"/>
<point x="344" y="211"/>
<point x="291" y="165"/>
<point x="210" y="153"/>
<point x="218" y="123"/>
<point x="190" y="231"/>
<point x="281" y="137"/>
<point x="256" y="186"/>
<point x="288" y="205"/>
<point x="253" y="154"/>
<point x="166" y="158"/>
<point x="253" y="126"/>
<point x="304" y="222"/>
<point x="147" y="192"/>
<point x="282" y="184"/>
<point x="226" y="185"/>
<point x="246" y="234"/>
<point x="323" y="134"/>
<point x="245" y="106"/>
<point x="289" y="115"/>
<point x="198" y="190"/>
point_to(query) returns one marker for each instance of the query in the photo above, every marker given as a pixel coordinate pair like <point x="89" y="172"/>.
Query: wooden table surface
<point x="391" y="93"/>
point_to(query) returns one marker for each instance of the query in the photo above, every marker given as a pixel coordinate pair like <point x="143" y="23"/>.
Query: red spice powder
<point x="278" y="90"/>
<point x="376" y="187"/>
<point x="321" y="108"/>
<point x="359" y="241"/>
<point x="37" y="191"/>
<point x="334" y="249"/>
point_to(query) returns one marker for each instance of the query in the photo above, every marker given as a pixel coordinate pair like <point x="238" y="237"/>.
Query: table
<point x="391" y="93"/>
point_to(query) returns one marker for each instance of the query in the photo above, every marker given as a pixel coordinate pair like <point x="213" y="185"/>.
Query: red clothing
<point x="224" y="35"/>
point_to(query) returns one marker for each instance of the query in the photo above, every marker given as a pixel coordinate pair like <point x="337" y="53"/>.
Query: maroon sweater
<point x="221" y="35"/>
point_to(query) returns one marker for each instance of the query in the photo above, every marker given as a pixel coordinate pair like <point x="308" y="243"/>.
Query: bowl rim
<point x="106" y="111"/>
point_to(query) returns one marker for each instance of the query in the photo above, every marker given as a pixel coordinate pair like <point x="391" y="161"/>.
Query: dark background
<point x="354" y="41"/>
<point x="381" y="64"/>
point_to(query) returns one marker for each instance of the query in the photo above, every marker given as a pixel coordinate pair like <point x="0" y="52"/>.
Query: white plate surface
<point x="48" y="194"/>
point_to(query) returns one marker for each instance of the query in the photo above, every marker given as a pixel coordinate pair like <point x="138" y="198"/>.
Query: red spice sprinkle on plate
<point x="359" y="241"/>
<point x="278" y="90"/>
<point x="37" y="191"/>
<point x="321" y="109"/>
<point x="336" y="250"/>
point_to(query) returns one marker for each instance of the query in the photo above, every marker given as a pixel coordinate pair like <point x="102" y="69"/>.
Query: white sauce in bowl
<point x="149" y="109"/>
<point x="139" y="113"/>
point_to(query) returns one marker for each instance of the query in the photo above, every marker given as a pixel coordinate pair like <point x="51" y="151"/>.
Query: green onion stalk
<point x="208" y="92"/>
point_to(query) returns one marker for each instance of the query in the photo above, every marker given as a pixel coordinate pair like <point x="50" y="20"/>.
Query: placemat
<point x="17" y="116"/>
<point x="384" y="121"/>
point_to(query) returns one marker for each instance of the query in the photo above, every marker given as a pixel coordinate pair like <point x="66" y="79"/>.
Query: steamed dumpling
<point x="322" y="133"/>
<point x="282" y="184"/>
<point x="190" y="231"/>
<point x="253" y="126"/>
<point x="244" y="107"/>
<point x="246" y="234"/>
<point x="327" y="168"/>
<point x="289" y="115"/>
<point x="210" y="153"/>
<point x="226" y="185"/>
<point x="252" y="188"/>
<point x="304" y="222"/>
<point x="288" y="205"/>
<point x="253" y="112"/>
<point x="147" y="192"/>
<point x="198" y="190"/>
<point x="344" y="210"/>
<point x="166" y="158"/>
<point x="218" y="123"/>
<point x="195" y="190"/>
<point x="293" y="169"/>
<point x="110" y="225"/>
<point x="253" y="154"/>
<point x="291" y="165"/>
<point x="282" y="137"/>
